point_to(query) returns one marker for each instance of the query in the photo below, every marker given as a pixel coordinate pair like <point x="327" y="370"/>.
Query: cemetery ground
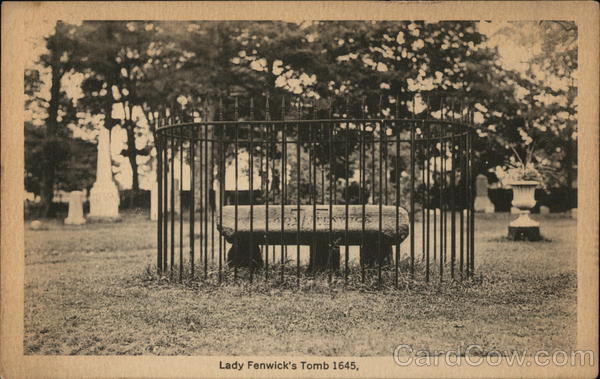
<point x="90" y="290"/>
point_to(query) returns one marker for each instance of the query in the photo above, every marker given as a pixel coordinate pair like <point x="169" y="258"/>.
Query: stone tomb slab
<point x="306" y="223"/>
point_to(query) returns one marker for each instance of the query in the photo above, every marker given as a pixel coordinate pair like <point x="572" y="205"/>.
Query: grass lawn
<point x="87" y="291"/>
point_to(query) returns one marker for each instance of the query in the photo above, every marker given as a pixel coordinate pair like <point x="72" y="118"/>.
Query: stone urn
<point x="524" y="228"/>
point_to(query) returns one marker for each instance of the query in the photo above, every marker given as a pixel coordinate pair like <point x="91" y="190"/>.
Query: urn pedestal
<point x="524" y="228"/>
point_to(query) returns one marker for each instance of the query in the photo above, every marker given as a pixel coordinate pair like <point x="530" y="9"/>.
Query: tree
<point x="546" y="91"/>
<point x="122" y="61"/>
<point x="49" y="142"/>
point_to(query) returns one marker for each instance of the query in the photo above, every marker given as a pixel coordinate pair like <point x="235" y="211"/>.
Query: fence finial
<point x="236" y="110"/>
<point x="267" y="110"/>
<point x="346" y="111"/>
<point x="220" y="108"/>
<point x="363" y="106"/>
<point x="206" y="112"/>
<point x="193" y="109"/>
<point x="173" y="113"/>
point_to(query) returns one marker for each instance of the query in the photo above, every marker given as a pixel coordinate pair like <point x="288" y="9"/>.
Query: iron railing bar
<point x="159" y="178"/>
<point x="165" y="184"/>
<point x="380" y="202"/>
<point x="283" y="181"/>
<point x="453" y="213"/>
<point x="293" y="141"/>
<point x="305" y="121"/>
<point x="422" y="153"/>
<point x="192" y="210"/>
<point x="236" y="239"/>
<point x="298" y="187"/>
<point x="397" y="201"/>
<point x="267" y="200"/>
<point x="205" y="199"/>
<point x="463" y="202"/>
<point x="471" y="205"/>
<point x="180" y="210"/>
<point x="346" y="202"/>
<point x="362" y="199"/>
<point x="172" y="203"/>
<point x="412" y="194"/>
<point x="442" y="206"/>
<point x="428" y="202"/>
<point x="222" y="241"/>
<point x="331" y="168"/>
<point x="251" y="250"/>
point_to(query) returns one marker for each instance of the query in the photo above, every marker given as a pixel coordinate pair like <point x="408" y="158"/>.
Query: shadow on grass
<point x="506" y="239"/>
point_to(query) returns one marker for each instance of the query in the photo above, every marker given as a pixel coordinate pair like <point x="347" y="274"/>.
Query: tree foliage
<point x="53" y="159"/>
<point x="136" y="71"/>
<point x="545" y="96"/>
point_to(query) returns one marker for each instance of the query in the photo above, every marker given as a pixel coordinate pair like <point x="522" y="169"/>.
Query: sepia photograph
<point x="292" y="196"/>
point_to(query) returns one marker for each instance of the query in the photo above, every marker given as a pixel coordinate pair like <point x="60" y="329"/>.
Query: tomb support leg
<point x="370" y="254"/>
<point x="322" y="257"/>
<point x="242" y="254"/>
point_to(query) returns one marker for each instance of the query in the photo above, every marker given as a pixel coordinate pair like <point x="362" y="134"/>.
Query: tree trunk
<point x="51" y="159"/>
<point x="206" y="164"/>
<point x="570" y="151"/>
<point x="47" y="191"/>
<point x="132" y="157"/>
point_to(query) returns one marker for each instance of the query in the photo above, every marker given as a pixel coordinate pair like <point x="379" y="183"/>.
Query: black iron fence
<point x="298" y="187"/>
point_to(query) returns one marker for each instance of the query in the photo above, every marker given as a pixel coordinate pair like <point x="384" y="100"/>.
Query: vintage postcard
<point x="299" y="189"/>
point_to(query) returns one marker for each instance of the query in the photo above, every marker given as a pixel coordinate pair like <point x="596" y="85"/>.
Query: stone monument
<point x="104" y="196"/>
<point x="172" y="192"/>
<point x="37" y="225"/>
<point x="176" y="194"/>
<point x="574" y="213"/>
<point x="482" y="201"/>
<point x="75" y="216"/>
<point x="316" y="227"/>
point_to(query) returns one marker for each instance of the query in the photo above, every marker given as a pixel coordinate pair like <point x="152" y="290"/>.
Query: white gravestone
<point x="104" y="196"/>
<point x="75" y="216"/>
<point x="176" y="193"/>
<point x="482" y="201"/>
<point x="37" y="225"/>
<point x="242" y="175"/>
<point x="544" y="210"/>
<point x="166" y="206"/>
<point x="172" y="191"/>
